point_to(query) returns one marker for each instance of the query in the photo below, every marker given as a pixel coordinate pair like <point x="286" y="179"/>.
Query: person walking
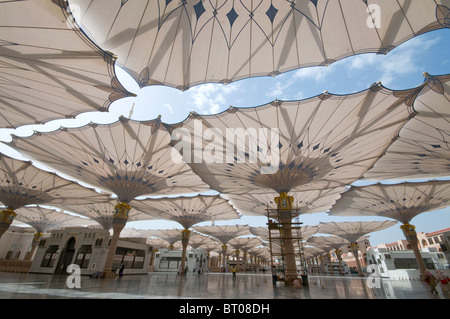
<point x="274" y="275"/>
<point x="121" y="269"/>
<point x="234" y="271"/>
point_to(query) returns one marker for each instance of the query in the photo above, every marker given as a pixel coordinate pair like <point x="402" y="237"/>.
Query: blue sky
<point x="402" y="68"/>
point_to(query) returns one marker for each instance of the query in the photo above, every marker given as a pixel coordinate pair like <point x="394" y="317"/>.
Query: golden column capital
<point x="284" y="201"/>
<point x="121" y="211"/>
<point x="408" y="229"/>
<point x="185" y="233"/>
<point x="37" y="236"/>
<point x="7" y="216"/>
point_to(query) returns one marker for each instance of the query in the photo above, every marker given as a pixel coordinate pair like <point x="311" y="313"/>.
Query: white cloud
<point x="402" y="61"/>
<point x="211" y="97"/>
<point x="318" y="73"/>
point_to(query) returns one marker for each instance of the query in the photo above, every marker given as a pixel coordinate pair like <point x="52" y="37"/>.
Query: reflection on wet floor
<point x="207" y="286"/>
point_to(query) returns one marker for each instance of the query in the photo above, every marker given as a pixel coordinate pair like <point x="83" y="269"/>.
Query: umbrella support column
<point x="288" y="249"/>
<point x="339" y="257"/>
<point x="355" y="250"/>
<point x="224" y="258"/>
<point x="119" y="221"/>
<point x="411" y="236"/>
<point x="185" y="235"/>
<point x="6" y="219"/>
<point x="284" y="210"/>
<point x="34" y="245"/>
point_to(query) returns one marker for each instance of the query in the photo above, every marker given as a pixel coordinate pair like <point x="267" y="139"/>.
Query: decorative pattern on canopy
<point x="181" y="43"/>
<point x="23" y="184"/>
<point x="187" y="211"/>
<point x="322" y="142"/>
<point x="401" y="202"/>
<point x="49" y="68"/>
<point x="129" y="158"/>
<point x="43" y="219"/>
<point x="423" y="149"/>
<point x="102" y="213"/>
<point x="353" y="231"/>
<point x="304" y="202"/>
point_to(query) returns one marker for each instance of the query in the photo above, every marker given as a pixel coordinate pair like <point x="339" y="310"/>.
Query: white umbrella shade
<point x="188" y="211"/>
<point x="290" y="146"/>
<point x="23" y="184"/>
<point x="306" y="202"/>
<point x="49" y="68"/>
<point x="423" y="148"/>
<point x="353" y="231"/>
<point x="223" y="233"/>
<point x="401" y="202"/>
<point x="102" y="213"/>
<point x="45" y="219"/>
<point x="182" y="43"/>
<point x="128" y="158"/>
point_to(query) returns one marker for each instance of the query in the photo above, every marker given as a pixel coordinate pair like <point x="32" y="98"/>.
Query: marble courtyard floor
<point x="206" y="286"/>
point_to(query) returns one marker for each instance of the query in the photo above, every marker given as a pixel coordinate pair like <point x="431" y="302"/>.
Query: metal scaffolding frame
<point x="276" y="233"/>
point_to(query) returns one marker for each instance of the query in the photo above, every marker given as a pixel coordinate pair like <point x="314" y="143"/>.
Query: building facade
<point x="87" y="247"/>
<point x="15" y="244"/>
<point x="170" y="260"/>
<point x="402" y="264"/>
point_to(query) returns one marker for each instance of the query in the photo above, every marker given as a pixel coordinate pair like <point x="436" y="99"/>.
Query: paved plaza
<point x="207" y="286"/>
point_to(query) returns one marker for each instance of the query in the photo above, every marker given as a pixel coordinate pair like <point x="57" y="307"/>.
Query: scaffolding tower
<point x="277" y="235"/>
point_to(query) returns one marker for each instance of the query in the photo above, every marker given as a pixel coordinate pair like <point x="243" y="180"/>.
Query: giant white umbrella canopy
<point x="311" y="253"/>
<point x="157" y="243"/>
<point x="401" y="202"/>
<point x="306" y="202"/>
<point x="182" y="43"/>
<point x="244" y="244"/>
<point x="423" y="148"/>
<point x="44" y="219"/>
<point x="262" y="253"/>
<point x="23" y="184"/>
<point x="224" y="234"/>
<point x="50" y="68"/>
<point x="328" y="243"/>
<point x="188" y="211"/>
<point x="169" y="235"/>
<point x="323" y="142"/>
<point x="353" y="232"/>
<point x="128" y="158"/>
<point x="196" y="240"/>
<point x="102" y="213"/>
